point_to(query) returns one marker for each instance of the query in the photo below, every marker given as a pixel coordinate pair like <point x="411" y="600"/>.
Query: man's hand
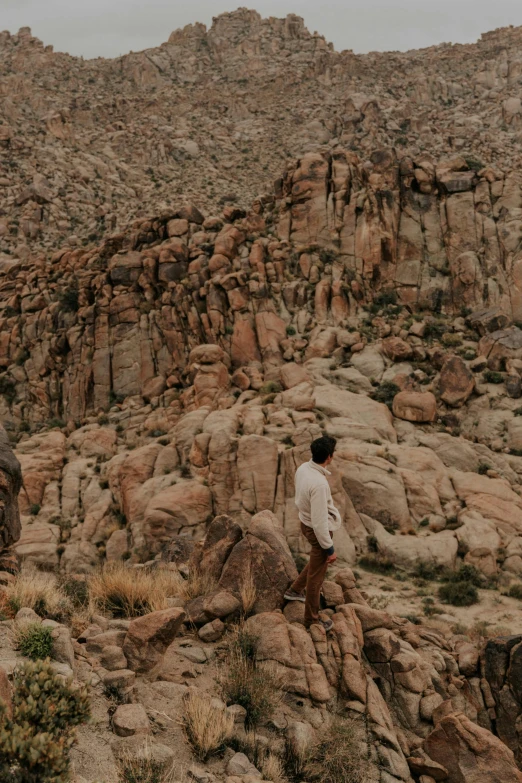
<point x="331" y="558"/>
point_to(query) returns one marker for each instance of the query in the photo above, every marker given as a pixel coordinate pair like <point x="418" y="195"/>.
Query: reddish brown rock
<point x="415" y="406"/>
<point x="396" y="349"/>
<point x="456" y="382"/>
<point x="148" y="637"/>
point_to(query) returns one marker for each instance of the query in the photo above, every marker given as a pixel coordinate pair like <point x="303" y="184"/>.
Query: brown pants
<point x="312" y="576"/>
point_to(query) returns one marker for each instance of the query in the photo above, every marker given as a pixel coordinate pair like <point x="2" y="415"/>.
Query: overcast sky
<point x="109" y="28"/>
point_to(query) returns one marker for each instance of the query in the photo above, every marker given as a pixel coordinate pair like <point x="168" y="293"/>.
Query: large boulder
<point x="415" y="406"/>
<point x="148" y="637"/>
<point x="264" y="557"/>
<point x="456" y="382"/>
<point x="10" y="484"/>
<point x="222" y="536"/>
<point x="471" y="753"/>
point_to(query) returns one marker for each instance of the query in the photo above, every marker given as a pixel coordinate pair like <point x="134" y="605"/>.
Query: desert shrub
<point x="206" y="726"/>
<point x="243" y="681"/>
<point x="270" y="765"/>
<point x="34" y="640"/>
<point x="76" y="590"/>
<point x="377" y="564"/>
<point x="38" y="591"/>
<point x="427" y="571"/>
<point x="143" y="769"/>
<point x="290" y="330"/>
<point x="459" y="593"/>
<point x="271" y="387"/>
<point x="34" y="509"/>
<point x="429" y="608"/>
<point x="489" y="376"/>
<point x="340" y="756"/>
<point x="468" y="573"/>
<point x="434" y="330"/>
<point x="385" y="393"/>
<point x="132" y="592"/>
<point x="451" y="340"/>
<point x="69" y="300"/>
<point x="35" y="741"/>
<point x="515" y="591"/>
<point x="483" y="468"/>
<point x="198" y="583"/>
<point x="474" y="164"/>
<point x="385" y="298"/>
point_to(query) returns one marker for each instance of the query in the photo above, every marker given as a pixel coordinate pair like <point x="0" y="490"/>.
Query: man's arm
<point x="319" y="515"/>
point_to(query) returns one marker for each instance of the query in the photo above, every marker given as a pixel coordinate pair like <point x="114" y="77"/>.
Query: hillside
<point x="212" y="253"/>
<point x="213" y="116"/>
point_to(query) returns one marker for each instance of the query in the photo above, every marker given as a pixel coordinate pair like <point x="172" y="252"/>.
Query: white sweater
<point x="313" y="499"/>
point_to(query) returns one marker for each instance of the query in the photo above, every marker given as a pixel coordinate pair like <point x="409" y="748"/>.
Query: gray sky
<point x="108" y="28"/>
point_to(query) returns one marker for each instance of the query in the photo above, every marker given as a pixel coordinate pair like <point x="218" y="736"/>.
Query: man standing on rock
<point x="319" y="519"/>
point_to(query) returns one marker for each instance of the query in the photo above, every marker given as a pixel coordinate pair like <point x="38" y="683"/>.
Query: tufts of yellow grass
<point x="197" y="584"/>
<point x="248" y="594"/>
<point x="40" y="591"/>
<point x="206" y="726"/>
<point x="133" y="592"/>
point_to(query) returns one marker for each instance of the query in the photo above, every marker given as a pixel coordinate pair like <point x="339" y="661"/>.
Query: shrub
<point x="427" y="571"/>
<point x="515" y="591"/>
<point x="143" y="769"/>
<point x="132" y="592"/>
<point x="271" y="387"/>
<point x="38" y="591"/>
<point x="492" y="377"/>
<point x="451" y="340"/>
<point x="290" y="330"/>
<point x="385" y="393"/>
<point x="385" y="298"/>
<point x="197" y="584"/>
<point x="459" y="594"/>
<point x="206" y="726"/>
<point x="34" y="509"/>
<point x="76" y="590"/>
<point x="483" y="468"/>
<point x="474" y="164"/>
<point x="339" y="757"/>
<point x="35" y="742"/>
<point x="52" y="423"/>
<point x="244" y="682"/>
<point x="434" y="330"/>
<point x="34" y="640"/>
<point x="69" y="300"/>
<point x="377" y="564"/>
<point x="8" y="388"/>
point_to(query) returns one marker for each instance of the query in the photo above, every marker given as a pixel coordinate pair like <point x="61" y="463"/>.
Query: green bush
<point x="271" y="387"/>
<point x="34" y="509"/>
<point x="34" y="640"/>
<point x="459" y="593"/>
<point x="8" y="388"/>
<point x="377" y="564"/>
<point x="434" y="330"/>
<point x="35" y="742"/>
<point x="483" y="468"/>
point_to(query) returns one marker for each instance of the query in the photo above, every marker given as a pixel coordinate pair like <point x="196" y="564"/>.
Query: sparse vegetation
<point x="492" y="377"/>
<point x="385" y="393"/>
<point x="69" y="300"/>
<point x="483" y="468"/>
<point x="377" y="564"/>
<point x="248" y="594"/>
<point x="515" y="591"/>
<point x="34" y="640"/>
<point x="461" y="587"/>
<point x="130" y="592"/>
<point x="341" y="756"/>
<point x="35" y="741"/>
<point x="40" y="591"/>
<point x="271" y="387"/>
<point x="142" y="768"/>
<point x="206" y="726"/>
<point x="244" y="682"/>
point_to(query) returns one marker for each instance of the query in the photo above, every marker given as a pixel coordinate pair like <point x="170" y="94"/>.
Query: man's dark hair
<point x="322" y="448"/>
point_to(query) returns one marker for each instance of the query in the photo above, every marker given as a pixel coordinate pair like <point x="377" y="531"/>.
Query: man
<point x="319" y="518"/>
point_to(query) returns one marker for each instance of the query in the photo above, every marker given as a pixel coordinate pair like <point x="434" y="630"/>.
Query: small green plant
<point x="489" y="376"/>
<point x="427" y="571"/>
<point x="474" y="164"/>
<point x="36" y="739"/>
<point x="76" y="590"/>
<point x="434" y="330"/>
<point x="34" y="641"/>
<point x="451" y="340"/>
<point x="34" y="509"/>
<point x="483" y="468"/>
<point x="459" y="594"/>
<point x="290" y="331"/>
<point x="424" y="522"/>
<point x="53" y="423"/>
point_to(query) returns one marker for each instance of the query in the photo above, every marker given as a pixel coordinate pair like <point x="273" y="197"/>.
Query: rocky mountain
<point x="213" y="115"/>
<point x="175" y="331"/>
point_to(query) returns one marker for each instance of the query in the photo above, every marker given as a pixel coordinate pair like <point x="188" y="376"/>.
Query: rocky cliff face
<point x="213" y="114"/>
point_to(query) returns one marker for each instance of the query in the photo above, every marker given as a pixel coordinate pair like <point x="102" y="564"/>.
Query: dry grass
<point x="133" y="592"/>
<point x="340" y="757"/>
<point x="272" y="768"/>
<point x="248" y="594"/>
<point x="39" y="591"/>
<point x="206" y="726"/>
<point x="243" y="681"/>
<point x="197" y="584"/>
<point x="141" y="768"/>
